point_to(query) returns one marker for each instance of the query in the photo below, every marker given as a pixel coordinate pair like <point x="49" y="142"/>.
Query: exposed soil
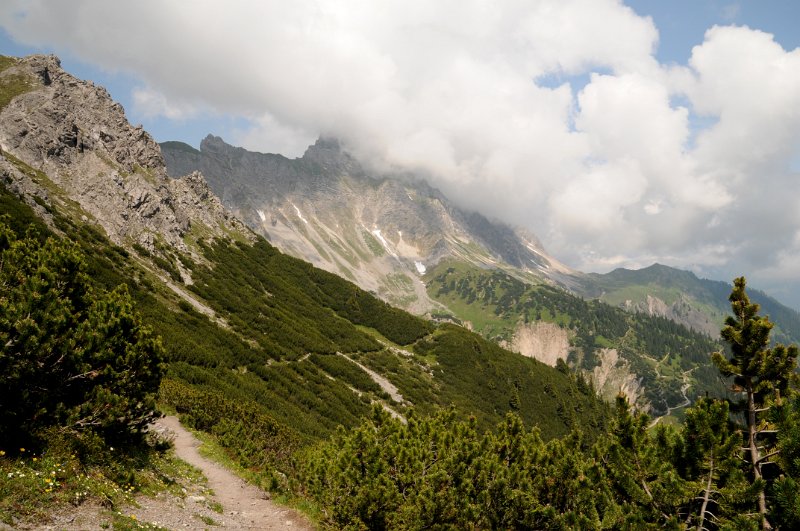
<point x="244" y="506"/>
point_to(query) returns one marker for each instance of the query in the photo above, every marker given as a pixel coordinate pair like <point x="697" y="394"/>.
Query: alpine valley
<point x="646" y="333"/>
<point x="245" y="327"/>
<point x="352" y="339"/>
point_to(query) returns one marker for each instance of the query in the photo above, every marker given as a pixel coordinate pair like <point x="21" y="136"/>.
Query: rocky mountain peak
<point x="212" y="144"/>
<point x="64" y="117"/>
<point x="68" y="140"/>
<point x="325" y="143"/>
<point x="327" y="158"/>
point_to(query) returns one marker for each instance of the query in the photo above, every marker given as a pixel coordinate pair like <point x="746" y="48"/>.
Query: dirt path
<point x="384" y="384"/>
<point x="244" y="506"/>
<point x="686" y="402"/>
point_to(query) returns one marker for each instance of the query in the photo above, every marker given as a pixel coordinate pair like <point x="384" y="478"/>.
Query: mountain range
<point x="381" y="232"/>
<point x="297" y="350"/>
<point x="404" y="241"/>
<point x="385" y="231"/>
<point x="71" y="156"/>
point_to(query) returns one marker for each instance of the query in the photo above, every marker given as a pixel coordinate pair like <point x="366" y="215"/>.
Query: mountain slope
<point x="265" y="351"/>
<point x="326" y="208"/>
<point x="381" y="232"/>
<point x="653" y="360"/>
<point x="679" y="295"/>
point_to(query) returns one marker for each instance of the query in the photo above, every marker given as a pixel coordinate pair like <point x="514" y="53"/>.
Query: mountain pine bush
<point x="71" y="357"/>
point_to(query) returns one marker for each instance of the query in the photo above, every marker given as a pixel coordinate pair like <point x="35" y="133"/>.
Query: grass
<point x="12" y="85"/>
<point x="373" y="244"/>
<point x="207" y="520"/>
<point x="70" y="207"/>
<point x="343" y="251"/>
<point x="32" y="485"/>
<point x="129" y="522"/>
<point x="7" y="62"/>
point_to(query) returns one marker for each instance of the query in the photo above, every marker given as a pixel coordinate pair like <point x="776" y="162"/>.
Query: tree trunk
<point x="755" y="455"/>
<point x="707" y="494"/>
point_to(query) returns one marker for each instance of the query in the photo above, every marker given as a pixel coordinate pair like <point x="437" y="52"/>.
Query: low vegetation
<point x="660" y="352"/>
<point x="79" y="372"/>
<point x="488" y="439"/>
<point x="12" y="84"/>
<point x="269" y="382"/>
<point x="730" y="465"/>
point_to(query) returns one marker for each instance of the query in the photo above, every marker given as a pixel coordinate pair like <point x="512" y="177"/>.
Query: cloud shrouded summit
<point x="550" y="114"/>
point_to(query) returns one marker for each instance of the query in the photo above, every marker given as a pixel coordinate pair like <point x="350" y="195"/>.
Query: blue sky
<point x="682" y="23"/>
<point x="622" y="134"/>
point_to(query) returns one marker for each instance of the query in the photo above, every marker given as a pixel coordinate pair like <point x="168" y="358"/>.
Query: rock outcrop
<point x="541" y="340"/>
<point x="682" y="311"/>
<point x="613" y="375"/>
<point x="382" y="233"/>
<point x="68" y="140"/>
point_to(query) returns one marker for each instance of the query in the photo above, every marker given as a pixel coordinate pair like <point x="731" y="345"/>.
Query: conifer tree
<point x="765" y="377"/>
<point x="70" y="357"/>
<point x="640" y="470"/>
<point x="710" y="460"/>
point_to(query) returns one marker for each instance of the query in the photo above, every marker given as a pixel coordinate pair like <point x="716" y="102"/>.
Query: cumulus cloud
<point x="624" y="162"/>
<point x="150" y="103"/>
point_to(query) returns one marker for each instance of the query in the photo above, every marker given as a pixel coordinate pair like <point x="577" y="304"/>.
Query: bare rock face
<point x="383" y="232"/>
<point x="541" y="340"/>
<point x="67" y="117"/>
<point x="613" y="375"/>
<point x="79" y="138"/>
<point x="681" y="311"/>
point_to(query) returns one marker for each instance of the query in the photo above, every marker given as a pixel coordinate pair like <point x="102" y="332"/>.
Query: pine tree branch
<point x="765" y="457"/>
<point x="88" y="374"/>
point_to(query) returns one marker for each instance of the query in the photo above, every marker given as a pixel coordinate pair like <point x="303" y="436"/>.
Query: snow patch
<point x="299" y="214"/>
<point x="420" y="267"/>
<point x="377" y="234"/>
<point x="261" y="215"/>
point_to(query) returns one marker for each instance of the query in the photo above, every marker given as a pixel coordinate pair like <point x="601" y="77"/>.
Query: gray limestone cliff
<point x="66" y="140"/>
<point x="382" y="232"/>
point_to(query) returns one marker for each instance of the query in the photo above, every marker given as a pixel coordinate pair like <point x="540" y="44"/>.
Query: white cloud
<point x="280" y="138"/>
<point x="685" y="164"/>
<point x="150" y="103"/>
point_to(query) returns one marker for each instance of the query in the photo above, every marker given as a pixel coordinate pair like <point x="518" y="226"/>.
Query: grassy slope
<point x="279" y="309"/>
<point x="659" y="351"/>
<point x="707" y="296"/>
<point x="12" y="84"/>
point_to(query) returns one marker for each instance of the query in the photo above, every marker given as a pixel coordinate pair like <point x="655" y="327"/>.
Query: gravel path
<point x="384" y="384"/>
<point x="245" y="506"/>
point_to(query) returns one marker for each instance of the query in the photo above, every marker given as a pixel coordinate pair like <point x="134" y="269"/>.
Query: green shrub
<point x="70" y="356"/>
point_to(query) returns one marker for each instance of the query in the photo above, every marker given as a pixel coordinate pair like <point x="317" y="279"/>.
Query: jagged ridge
<point x="379" y="231"/>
